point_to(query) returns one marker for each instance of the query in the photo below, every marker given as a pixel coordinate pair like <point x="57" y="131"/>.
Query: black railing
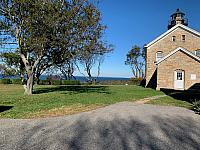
<point x="172" y="23"/>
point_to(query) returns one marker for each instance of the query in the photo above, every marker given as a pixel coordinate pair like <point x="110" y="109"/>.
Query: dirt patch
<point x="64" y="111"/>
<point x="145" y="100"/>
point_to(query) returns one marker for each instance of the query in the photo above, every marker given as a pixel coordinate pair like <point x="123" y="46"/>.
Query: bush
<point x="196" y="106"/>
<point x="135" y="81"/>
<point x="132" y="81"/>
<point x="53" y="77"/>
<point x="16" y="81"/>
<point x="5" y="81"/>
<point x="44" y="82"/>
<point x="114" y="82"/>
<point x="59" y="82"/>
<point x="56" y="82"/>
<point x="71" y="82"/>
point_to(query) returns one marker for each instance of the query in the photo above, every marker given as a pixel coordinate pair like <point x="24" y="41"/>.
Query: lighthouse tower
<point x="177" y="18"/>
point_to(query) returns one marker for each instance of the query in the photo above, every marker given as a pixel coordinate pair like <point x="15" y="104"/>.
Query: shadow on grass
<point x="74" y="89"/>
<point x="187" y="95"/>
<point x="5" y="108"/>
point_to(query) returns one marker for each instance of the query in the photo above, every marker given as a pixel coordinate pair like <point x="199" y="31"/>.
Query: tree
<point x="7" y="72"/>
<point x="94" y="55"/>
<point x="27" y="22"/>
<point x="94" y="48"/>
<point x="90" y="50"/>
<point x="45" y="29"/>
<point x="68" y="69"/>
<point x="44" y="64"/>
<point x="136" y="60"/>
<point x="12" y="64"/>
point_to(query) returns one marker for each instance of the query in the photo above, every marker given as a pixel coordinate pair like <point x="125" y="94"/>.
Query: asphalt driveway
<point x="120" y="126"/>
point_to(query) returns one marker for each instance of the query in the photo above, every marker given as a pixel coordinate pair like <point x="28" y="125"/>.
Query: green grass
<point x="51" y="97"/>
<point x="169" y="101"/>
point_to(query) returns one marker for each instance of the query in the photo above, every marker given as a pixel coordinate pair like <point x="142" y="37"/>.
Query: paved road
<point x="120" y="126"/>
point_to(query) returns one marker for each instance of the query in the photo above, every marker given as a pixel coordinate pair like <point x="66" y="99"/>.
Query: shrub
<point x="196" y="106"/>
<point x="56" y="82"/>
<point x="135" y="81"/>
<point x="132" y="81"/>
<point x="114" y="82"/>
<point x="44" y="82"/>
<point x="5" y="81"/>
<point x="53" y="77"/>
<point x="16" y="81"/>
<point x="71" y="82"/>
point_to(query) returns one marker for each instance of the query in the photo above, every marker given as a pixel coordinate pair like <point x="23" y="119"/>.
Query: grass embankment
<point x="61" y="100"/>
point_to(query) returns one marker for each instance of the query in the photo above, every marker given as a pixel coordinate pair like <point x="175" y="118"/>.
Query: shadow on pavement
<point x="164" y="133"/>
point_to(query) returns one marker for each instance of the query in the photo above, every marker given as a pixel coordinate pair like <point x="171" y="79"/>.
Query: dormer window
<point x="159" y="55"/>
<point x="197" y="52"/>
<point x="183" y="37"/>
<point x="174" y="38"/>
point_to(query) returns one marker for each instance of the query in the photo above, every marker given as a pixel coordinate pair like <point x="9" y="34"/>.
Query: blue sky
<point x="131" y="22"/>
<point x="137" y="22"/>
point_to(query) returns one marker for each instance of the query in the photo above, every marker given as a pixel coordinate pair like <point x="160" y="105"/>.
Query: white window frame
<point x="159" y="58"/>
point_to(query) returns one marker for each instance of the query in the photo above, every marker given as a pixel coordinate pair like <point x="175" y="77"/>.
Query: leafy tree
<point x="12" y="64"/>
<point x="6" y="71"/>
<point x="68" y="69"/>
<point x="136" y="60"/>
<point x="94" y="55"/>
<point x="27" y="22"/>
<point x="46" y="30"/>
<point x="94" y="48"/>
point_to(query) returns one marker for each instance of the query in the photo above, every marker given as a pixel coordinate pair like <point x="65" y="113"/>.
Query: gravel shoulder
<point x="123" y="125"/>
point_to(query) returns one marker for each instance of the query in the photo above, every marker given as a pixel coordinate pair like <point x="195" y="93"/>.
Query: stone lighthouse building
<point x="173" y="58"/>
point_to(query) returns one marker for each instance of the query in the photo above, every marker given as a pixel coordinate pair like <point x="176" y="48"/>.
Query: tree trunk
<point x="29" y="86"/>
<point x="22" y="71"/>
<point x="89" y="75"/>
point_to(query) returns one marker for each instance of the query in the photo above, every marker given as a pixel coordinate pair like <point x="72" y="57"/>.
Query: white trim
<point x="171" y="30"/>
<point x="179" y="84"/>
<point x="176" y="50"/>
<point x="159" y="52"/>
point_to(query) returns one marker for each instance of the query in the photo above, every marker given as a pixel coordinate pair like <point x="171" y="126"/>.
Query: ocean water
<point x="81" y="78"/>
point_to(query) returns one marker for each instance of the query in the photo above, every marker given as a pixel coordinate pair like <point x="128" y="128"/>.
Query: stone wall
<point x="166" y="45"/>
<point x="178" y="61"/>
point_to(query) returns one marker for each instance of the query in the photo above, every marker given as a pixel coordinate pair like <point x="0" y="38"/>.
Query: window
<point x="179" y="76"/>
<point x="173" y="38"/>
<point x="197" y="52"/>
<point x="159" y="55"/>
<point x="183" y="37"/>
<point x="193" y="77"/>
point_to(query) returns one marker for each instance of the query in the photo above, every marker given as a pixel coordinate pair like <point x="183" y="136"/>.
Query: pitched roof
<point x="179" y="49"/>
<point x="171" y="30"/>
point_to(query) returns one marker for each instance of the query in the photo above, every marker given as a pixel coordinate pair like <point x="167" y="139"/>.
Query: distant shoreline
<point x="81" y="78"/>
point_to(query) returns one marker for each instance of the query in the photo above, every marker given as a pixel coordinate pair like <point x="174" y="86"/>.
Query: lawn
<point x="178" y="98"/>
<point x="61" y="100"/>
<point x="170" y="101"/>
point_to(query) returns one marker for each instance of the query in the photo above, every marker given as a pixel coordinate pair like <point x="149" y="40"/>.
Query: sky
<point x="138" y="22"/>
